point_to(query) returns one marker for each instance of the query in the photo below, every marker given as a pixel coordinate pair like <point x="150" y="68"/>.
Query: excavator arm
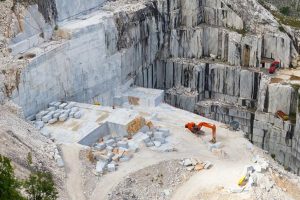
<point x="196" y="128"/>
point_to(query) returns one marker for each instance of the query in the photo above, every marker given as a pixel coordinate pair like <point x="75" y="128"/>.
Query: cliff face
<point x="209" y="56"/>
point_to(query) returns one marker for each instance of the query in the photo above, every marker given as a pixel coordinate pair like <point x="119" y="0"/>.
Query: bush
<point x="29" y="158"/>
<point x="285" y="10"/>
<point x="9" y="185"/>
<point x="40" y="186"/>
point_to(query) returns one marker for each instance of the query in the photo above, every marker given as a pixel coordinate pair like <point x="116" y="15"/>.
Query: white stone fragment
<point x="100" y="146"/>
<point x="70" y="105"/>
<point x="100" y="166"/>
<point x="132" y="146"/>
<point x="77" y="115"/>
<point x="51" y="109"/>
<point x="123" y="144"/>
<point x="111" y="167"/>
<point x="74" y="109"/>
<point x="187" y="162"/>
<point x="52" y="121"/>
<point x="109" y="142"/>
<point x="46" y="118"/>
<point x="39" y="124"/>
<point x="157" y="143"/>
<point x="62" y="106"/>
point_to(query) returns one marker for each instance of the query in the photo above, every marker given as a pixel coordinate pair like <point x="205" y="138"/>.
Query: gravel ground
<point x="154" y="182"/>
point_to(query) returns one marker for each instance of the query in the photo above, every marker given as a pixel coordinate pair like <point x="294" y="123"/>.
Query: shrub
<point x="9" y="185"/>
<point x="29" y="158"/>
<point x="285" y="10"/>
<point x="40" y="186"/>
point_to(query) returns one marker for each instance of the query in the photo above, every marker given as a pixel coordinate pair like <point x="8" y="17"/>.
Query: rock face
<point x="206" y="54"/>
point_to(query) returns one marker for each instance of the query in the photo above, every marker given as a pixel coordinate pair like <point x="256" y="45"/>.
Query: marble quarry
<point x="199" y="52"/>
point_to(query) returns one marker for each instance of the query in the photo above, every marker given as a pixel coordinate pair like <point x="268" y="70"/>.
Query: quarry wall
<point x="198" y="51"/>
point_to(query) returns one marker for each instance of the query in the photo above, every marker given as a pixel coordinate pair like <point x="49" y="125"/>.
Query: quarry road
<point x="72" y="166"/>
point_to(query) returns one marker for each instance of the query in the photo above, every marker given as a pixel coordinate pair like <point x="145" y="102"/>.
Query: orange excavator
<point x="197" y="128"/>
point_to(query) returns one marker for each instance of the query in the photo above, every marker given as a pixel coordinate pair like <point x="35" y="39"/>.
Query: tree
<point x="40" y="186"/>
<point x="9" y="185"/>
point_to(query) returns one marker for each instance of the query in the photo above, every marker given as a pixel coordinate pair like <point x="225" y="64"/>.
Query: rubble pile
<point x="251" y="175"/>
<point x="57" y="111"/>
<point x="111" y="151"/>
<point x="193" y="164"/>
<point x="154" y="182"/>
<point x="155" y="138"/>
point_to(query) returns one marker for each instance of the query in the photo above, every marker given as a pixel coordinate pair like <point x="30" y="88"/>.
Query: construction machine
<point x="274" y="66"/>
<point x="197" y="128"/>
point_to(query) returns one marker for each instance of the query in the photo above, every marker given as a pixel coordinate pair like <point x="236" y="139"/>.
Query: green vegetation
<point x="243" y="31"/>
<point x="39" y="185"/>
<point x="287" y="20"/>
<point x="296" y="88"/>
<point x="282" y="16"/>
<point x="29" y="159"/>
<point x="273" y="156"/>
<point x="9" y="185"/>
<point x="281" y="29"/>
<point x="293" y="118"/>
<point x="285" y="10"/>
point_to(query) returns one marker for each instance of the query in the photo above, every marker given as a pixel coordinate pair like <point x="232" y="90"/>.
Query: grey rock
<point x="146" y="139"/>
<point x="109" y="142"/>
<point x="165" y="131"/>
<point x="46" y="118"/>
<point x="63" y="117"/>
<point x="39" y="124"/>
<point x="57" y="104"/>
<point x="74" y="109"/>
<point x="52" y="121"/>
<point x="51" y="109"/>
<point x="111" y="167"/>
<point x="77" y="115"/>
<point x="157" y="143"/>
<point x="100" y="166"/>
<point x="123" y="144"/>
<point x="100" y="146"/>
<point x="187" y="162"/>
<point x="144" y="129"/>
<point x="70" y="105"/>
<point x="149" y="144"/>
<point x="62" y="106"/>
<point x="56" y="114"/>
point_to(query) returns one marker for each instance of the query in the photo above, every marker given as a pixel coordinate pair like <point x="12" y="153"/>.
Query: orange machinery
<point x="197" y="128"/>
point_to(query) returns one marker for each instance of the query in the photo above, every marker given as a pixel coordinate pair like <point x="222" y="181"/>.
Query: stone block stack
<point x="111" y="151"/>
<point x="57" y="111"/>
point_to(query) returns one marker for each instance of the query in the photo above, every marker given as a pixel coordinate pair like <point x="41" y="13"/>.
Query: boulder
<point x="63" y="117"/>
<point x="62" y="106"/>
<point x="52" y="121"/>
<point x="46" y="118"/>
<point x="77" y="115"/>
<point x="39" y="124"/>
<point x="123" y="144"/>
<point x="187" y="162"/>
<point x="157" y="143"/>
<point x="132" y="146"/>
<point x="111" y="167"/>
<point x="100" y="166"/>
<point x="109" y="142"/>
<point x="100" y="146"/>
